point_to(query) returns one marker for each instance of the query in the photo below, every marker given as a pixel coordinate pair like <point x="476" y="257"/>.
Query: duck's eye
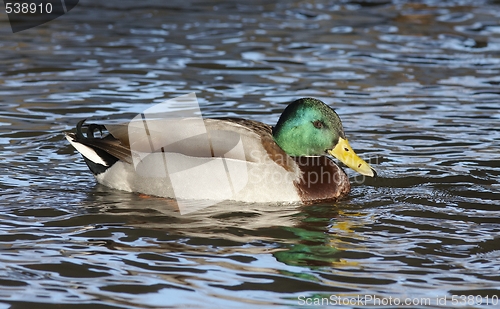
<point x="318" y="124"/>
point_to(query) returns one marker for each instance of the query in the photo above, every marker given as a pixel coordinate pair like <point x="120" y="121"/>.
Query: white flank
<point x="86" y="151"/>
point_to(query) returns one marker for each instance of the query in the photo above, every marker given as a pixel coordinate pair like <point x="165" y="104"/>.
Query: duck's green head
<point x="309" y="127"/>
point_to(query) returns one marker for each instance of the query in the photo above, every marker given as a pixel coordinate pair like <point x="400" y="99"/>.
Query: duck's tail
<point x="96" y="151"/>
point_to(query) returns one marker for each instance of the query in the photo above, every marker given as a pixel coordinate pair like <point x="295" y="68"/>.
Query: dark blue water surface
<point x="416" y="83"/>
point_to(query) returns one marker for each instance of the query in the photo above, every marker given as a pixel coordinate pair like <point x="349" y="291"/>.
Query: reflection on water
<point x="416" y="85"/>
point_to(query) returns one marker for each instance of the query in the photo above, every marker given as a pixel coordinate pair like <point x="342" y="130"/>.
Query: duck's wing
<point x="202" y="138"/>
<point x="231" y="138"/>
<point x="193" y="137"/>
<point x="260" y="137"/>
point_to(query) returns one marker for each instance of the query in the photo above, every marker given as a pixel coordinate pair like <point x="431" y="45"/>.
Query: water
<point x="415" y="83"/>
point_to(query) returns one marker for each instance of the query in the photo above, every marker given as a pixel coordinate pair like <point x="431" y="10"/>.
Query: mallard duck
<point x="290" y="162"/>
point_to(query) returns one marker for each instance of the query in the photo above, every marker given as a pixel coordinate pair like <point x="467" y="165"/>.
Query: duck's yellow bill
<point x="344" y="153"/>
